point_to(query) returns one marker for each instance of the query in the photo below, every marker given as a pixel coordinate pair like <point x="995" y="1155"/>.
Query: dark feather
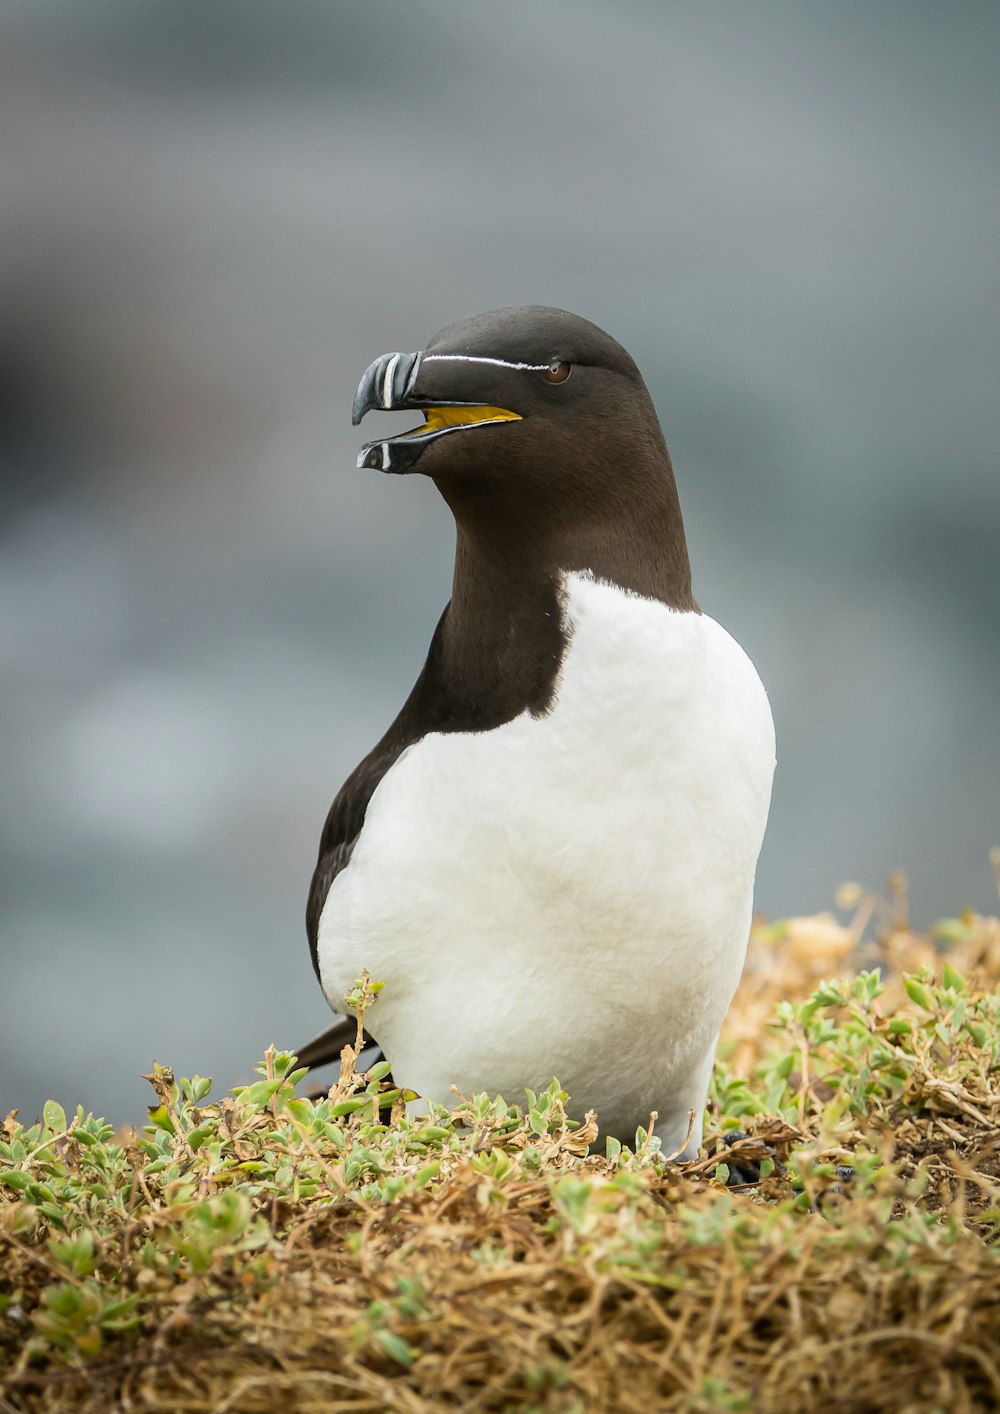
<point x="326" y="1047"/>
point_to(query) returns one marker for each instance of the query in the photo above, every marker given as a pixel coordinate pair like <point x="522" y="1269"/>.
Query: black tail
<point x="326" y="1048"/>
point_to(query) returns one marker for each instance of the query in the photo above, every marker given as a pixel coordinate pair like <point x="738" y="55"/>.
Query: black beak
<point x="388" y="384"/>
<point x="385" y="384"/>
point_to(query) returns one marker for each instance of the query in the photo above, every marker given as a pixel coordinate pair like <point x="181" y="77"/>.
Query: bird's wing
<point x="440" y="701"/>
<point x="340" y="835"/>
<point x="344" y="823"/>
<point x="326" y="1047"/>
<point x="426" y="709"/>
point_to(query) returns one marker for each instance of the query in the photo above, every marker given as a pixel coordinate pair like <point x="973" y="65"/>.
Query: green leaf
<point x="16" y="1179"/>
<point x="951" y="930"/>
<point x="917" y="992"/>
<point x="396" y="1347"/>
<point x="159" y="1116"/>
<point x="348" y="1107"/>
<point x="54" y="1116"/>
<point x="260" y="1092"/>
<point x="951" y="977"/>
<point x="76" y="1252"/>
<point x="300" y="1110"/>
<point x="434" y="1131"/>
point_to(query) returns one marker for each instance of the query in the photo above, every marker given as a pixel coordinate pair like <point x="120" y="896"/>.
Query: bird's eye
<point x="558" y="372"/>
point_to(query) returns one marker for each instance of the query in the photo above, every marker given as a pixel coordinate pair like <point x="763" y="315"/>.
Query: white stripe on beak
<point x="390" y="369"/>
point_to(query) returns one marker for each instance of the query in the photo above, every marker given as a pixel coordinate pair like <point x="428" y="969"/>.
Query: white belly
<point x="570" y="895"/>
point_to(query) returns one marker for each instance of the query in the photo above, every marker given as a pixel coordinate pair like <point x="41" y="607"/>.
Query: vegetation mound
<point x="268" y="1251"/>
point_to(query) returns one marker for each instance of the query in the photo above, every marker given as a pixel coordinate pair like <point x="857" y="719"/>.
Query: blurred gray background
<point x="213" y="217"/>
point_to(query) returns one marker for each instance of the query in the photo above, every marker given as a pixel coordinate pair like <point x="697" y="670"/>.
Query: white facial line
<point x="390" y="369"/>
<point x="476" y="358"/>
<point x="385" y="452"/>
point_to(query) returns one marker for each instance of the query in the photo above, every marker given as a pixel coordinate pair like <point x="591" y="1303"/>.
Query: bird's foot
<point x="743" y="1155"/>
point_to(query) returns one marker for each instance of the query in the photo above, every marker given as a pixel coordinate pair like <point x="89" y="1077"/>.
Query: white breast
<point x="570" y="895"/>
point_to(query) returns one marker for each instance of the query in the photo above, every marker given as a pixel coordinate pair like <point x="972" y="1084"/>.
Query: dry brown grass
<point x="283" y="1256"/>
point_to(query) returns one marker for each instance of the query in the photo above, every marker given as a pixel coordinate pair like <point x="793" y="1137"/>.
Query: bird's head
<point x="537" y="428"/>
<point x="526" y="392"/>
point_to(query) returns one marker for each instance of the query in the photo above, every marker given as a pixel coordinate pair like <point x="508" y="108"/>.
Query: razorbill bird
<point x="549" y="857"/>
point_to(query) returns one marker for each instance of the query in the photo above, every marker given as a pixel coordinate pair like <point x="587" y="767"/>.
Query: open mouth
<point x="398" y="382"/>
<point x="384" y="453"/>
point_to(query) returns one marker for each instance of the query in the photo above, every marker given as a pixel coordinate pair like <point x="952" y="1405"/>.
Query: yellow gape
<point x="437" y="418"/>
